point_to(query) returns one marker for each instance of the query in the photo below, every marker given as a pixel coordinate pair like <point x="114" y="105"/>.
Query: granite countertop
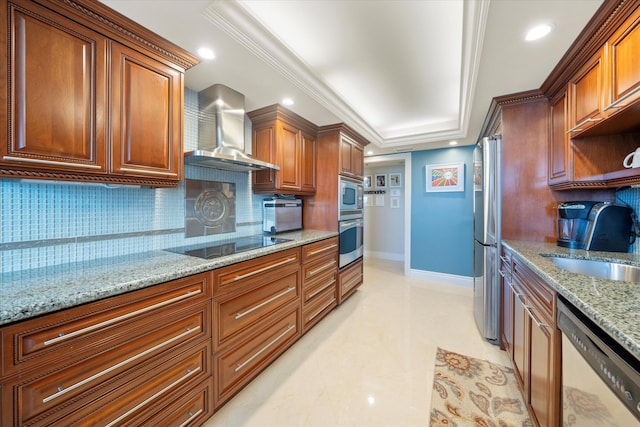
<point x="612" y="305"/>
<point x="29" y="293"/>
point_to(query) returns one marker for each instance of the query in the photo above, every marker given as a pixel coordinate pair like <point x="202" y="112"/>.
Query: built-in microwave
<point x="351" y="198"/>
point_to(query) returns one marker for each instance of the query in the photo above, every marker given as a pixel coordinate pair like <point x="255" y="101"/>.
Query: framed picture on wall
<point x="394" y="202"/>
<point x="395" y="180"/>
<point x="381" y="180"/>
<point x="367" y="181"/>
<point x="445" y="177"/>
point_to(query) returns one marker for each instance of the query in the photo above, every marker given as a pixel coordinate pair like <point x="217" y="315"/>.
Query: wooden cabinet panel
<point x="321" y="304"/>
<point x="57" y="118"/>
<point x="90" y="329"/>
<point x="238" y="365"/>
<point x="349" y="279"/>
<point x="560" y="155"/>
<point x="545" y="341"/>
<point x="521" y="327"/>
<point x="624" y="64"/>
<point x="146" y="116"/>
<point x="89" y="96"/>
<point x="351" y="158"/>
<point x="255" y="271"/>
<point x="506" y="341"/>
<point x="319" y="280"/>
<point x="237" y="311"/>
<point x="317" y="250"/>
<point x="193" y="408"/>
<point x="587" y="94"/>
<point x="289" y="141"/>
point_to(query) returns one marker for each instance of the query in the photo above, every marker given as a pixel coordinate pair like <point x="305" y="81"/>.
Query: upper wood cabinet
<point x="351" y="157"/>
<point x="89" y="96"/>
<point x="624" y="65"/>
<point x="587" y="94"/>
<point x="560" y="159"/>
<point x="289" y="141"/>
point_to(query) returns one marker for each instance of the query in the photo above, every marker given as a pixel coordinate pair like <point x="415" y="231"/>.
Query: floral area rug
<point x="475" y="392"/>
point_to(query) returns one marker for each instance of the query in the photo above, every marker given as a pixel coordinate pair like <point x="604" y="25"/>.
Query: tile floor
<point x="369" y="362"/>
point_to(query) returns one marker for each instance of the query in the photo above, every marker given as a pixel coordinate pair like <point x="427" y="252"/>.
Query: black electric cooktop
<point x="228" y="247"/>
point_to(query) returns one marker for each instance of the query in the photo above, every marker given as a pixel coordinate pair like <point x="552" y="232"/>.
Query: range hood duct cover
<point x="221" y="132"/>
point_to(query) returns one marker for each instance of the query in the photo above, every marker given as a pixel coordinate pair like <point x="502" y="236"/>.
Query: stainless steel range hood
<point x="221" y="132"/>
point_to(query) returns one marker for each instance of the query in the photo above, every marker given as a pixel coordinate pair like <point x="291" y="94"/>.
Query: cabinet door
<point x="357" y="161"/>
<point x="521" y="326"/>
<point x="624" y="61"/>
<point x="264" y="148"/>
<point x="507" y="316"/>
<point x="543" y="372"/>
<point x="308" y="162"/>
<point x="57" y="88"/>
<point x="560" y="157"/>
<point x="587" y="100"/>
<point x="345" y="155"/>
<point x="289" y="155"/>
<point x="146" y="116"/>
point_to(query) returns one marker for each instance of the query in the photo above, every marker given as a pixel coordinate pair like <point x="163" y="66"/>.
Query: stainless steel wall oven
<point x="350" y="220"/>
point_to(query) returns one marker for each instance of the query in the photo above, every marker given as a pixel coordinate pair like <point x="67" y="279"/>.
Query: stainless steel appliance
<point x="281" y="214"/>
<point x="486" y="235"/>
<point x="222" y="127"/>
<point x="600" y="379"/>
<point x="351" y="198"/>
<point x="350" y="240"/>
<point x="595" y="226"/>
<point x="350" y="220"/>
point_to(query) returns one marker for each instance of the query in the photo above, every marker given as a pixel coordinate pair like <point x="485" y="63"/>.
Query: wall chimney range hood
<point x="221" y="132"/>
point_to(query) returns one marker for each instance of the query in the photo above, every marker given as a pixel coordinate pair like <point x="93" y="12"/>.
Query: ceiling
<point x="406" y="74"/>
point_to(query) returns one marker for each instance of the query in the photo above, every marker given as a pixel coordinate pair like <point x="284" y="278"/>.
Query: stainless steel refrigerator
<point x="486" y="236"/>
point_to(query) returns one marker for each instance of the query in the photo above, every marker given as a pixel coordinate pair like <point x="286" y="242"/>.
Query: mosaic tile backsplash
<point x="44" y="224"/>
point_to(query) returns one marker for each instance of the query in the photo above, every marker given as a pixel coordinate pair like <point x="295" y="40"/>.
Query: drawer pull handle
<point x="262" y="304"/>
<point x="269" y="267"/>
<point x="191" y="415"/>
<point x="50" y="162"/>
<point x="324" y="267"/>
<point x="317" y="251"/>
<point x="504" y="259"/>
<point x="622" y="99"/>
<point x="155" y="396"/>
<point x="263" y="349"/>
<point x="539" y="324"/>
<point x="576" y="128"/>
<point x="116" y="366"/>
<point x="62" y="336"/>
<point x="351" y="283"/>
<point x="317" y="291"/>
<point x="310" y="318"/>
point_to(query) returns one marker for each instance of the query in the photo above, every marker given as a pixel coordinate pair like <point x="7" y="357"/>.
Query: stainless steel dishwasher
<point x="600" y="379"/>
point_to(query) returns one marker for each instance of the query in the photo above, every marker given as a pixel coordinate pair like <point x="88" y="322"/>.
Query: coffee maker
<point x="595" y="226"/>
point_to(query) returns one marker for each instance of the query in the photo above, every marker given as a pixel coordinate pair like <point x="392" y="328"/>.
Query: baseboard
<point x="461" y="284"/>
<point x="384" y="255"/>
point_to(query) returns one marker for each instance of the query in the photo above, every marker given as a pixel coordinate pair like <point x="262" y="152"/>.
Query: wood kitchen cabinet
<point x="319" y="280"/>
<point x="123" y="359"/>
<point x="256" y="317"/>
<point x="289" y="141"/>
<point x="89" y="96"/>
<point x="349" y="279"/>
<point x="351" y="157"/>
<point x="586" y="93"/>
<point x="560" y="150"/>
<point x="506" y="325"/>
<point x="535" y="339"/>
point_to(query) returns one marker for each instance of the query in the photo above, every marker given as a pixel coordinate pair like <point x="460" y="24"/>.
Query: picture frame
<point x="394" y="202"/>
<point x="381" y="180"/>
<point x="395" y="180"/>
<point x="379" y="200"/>
<point x="477" y="176"/>
<point x="445" y="177"/>
<point x="366" y="183"/>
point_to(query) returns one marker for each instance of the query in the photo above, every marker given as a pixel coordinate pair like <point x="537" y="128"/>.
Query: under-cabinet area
<point x="174" y="351"/>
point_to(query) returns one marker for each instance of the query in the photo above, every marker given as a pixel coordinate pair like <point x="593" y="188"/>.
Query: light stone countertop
<point x="612" y="305"/>
<point x="30" y="293"/>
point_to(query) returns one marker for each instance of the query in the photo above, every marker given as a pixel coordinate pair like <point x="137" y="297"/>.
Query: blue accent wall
<point x="442" y="222"/>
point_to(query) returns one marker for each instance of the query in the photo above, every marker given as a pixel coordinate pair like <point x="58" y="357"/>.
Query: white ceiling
<point x="406" y="74"/>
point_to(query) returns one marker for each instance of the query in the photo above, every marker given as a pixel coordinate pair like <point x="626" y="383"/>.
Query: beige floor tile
<point x="369" y="362"/>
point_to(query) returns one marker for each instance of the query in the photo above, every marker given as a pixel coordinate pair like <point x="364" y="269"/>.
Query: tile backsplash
<point x="44" y="224"/>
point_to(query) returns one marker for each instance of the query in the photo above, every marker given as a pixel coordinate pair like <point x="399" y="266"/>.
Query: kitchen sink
<point x="600" y="269"/>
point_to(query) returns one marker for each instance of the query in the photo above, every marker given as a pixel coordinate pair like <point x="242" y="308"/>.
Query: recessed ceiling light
<point x="206" y="53"/>
<point x="453" y="143"/>
<point x="370" y="152"/>
<point x="538" y="32"/>
<point x="287" y="101"/>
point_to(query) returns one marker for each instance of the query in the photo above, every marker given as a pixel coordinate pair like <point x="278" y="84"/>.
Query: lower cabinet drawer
<point x="69" y="387"/>
<point x="322" y="304"/>
<point x="349" y="279"/>
<point x="192" y="408"/>
<point x="311" y="290"/>
<point x="235" y="313"/>
<point x="238" y="365"/>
